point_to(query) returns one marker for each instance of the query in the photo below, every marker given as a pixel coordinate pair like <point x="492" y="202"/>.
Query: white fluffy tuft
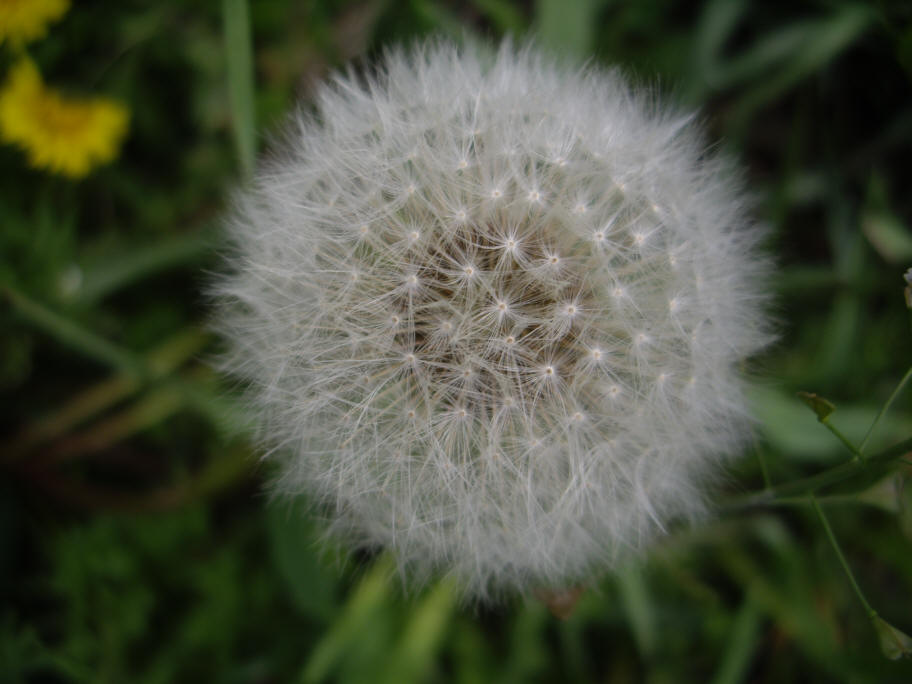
<point x="490" y="310"/>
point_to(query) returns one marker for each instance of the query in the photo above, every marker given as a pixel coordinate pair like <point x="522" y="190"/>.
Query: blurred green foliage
<point x="135" y="542"/>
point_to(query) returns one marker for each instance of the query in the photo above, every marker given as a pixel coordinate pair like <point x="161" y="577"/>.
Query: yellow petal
<point x="62" y="134"/>
<point x="22" y="21"/>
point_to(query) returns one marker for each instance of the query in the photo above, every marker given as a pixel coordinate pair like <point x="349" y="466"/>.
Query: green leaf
<point x="295" y="555"/>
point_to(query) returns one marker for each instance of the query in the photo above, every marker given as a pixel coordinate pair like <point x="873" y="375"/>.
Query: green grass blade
<point x="360" y="611"/>
<point x="638" y="607"/>
<point x="239" y="58"/>
<point x="741" y="645"/>
<point x="422" y="637"/>
<point x="823" y="41"/>
<point x="134" y="264"/>
<point x="72" y="334"/>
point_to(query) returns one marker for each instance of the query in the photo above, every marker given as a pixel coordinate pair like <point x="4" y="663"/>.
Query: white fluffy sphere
<point x="490" y="310"/>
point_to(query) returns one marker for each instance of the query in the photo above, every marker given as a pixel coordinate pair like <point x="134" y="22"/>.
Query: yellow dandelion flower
<point x="22" y="21"/>
<point x="65" y="135"/>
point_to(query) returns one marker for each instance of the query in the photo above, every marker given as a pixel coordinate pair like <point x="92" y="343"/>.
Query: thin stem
<point x="845" y="565"/>
<point x="856" y="452"/>
<point x="826" y="478"/>
<point x="886" y="407"/>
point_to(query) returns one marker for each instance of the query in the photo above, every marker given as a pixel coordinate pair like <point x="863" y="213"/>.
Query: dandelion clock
<point x="490" y="311"/>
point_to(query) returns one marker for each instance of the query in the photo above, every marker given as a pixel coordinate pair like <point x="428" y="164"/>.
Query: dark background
<point x="137" y="542"/>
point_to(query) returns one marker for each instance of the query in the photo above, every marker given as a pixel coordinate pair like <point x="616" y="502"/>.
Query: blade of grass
<point x="365" y="602"/>
<point x="192" y="390"/>
<point x="422" y="636"/>
<point x="826" y="478"/>
<point x="741" y="644"/>
<point x="154" y="407"/>
<point x="103" y="395"/>
<point x="74" y="411"/>
<point x="218" y="475"/>
<point x="787" y="607"/>
<point x="637" y="605"/>
<point x="717" y="22"/>
<point x="239" y="61"/>
<point x="823" y="40"/>
<point x="130" y="266"/>
<point x="73" y="335"/>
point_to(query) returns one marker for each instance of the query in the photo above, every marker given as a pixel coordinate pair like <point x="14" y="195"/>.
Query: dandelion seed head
<point x="473" y="279"/>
